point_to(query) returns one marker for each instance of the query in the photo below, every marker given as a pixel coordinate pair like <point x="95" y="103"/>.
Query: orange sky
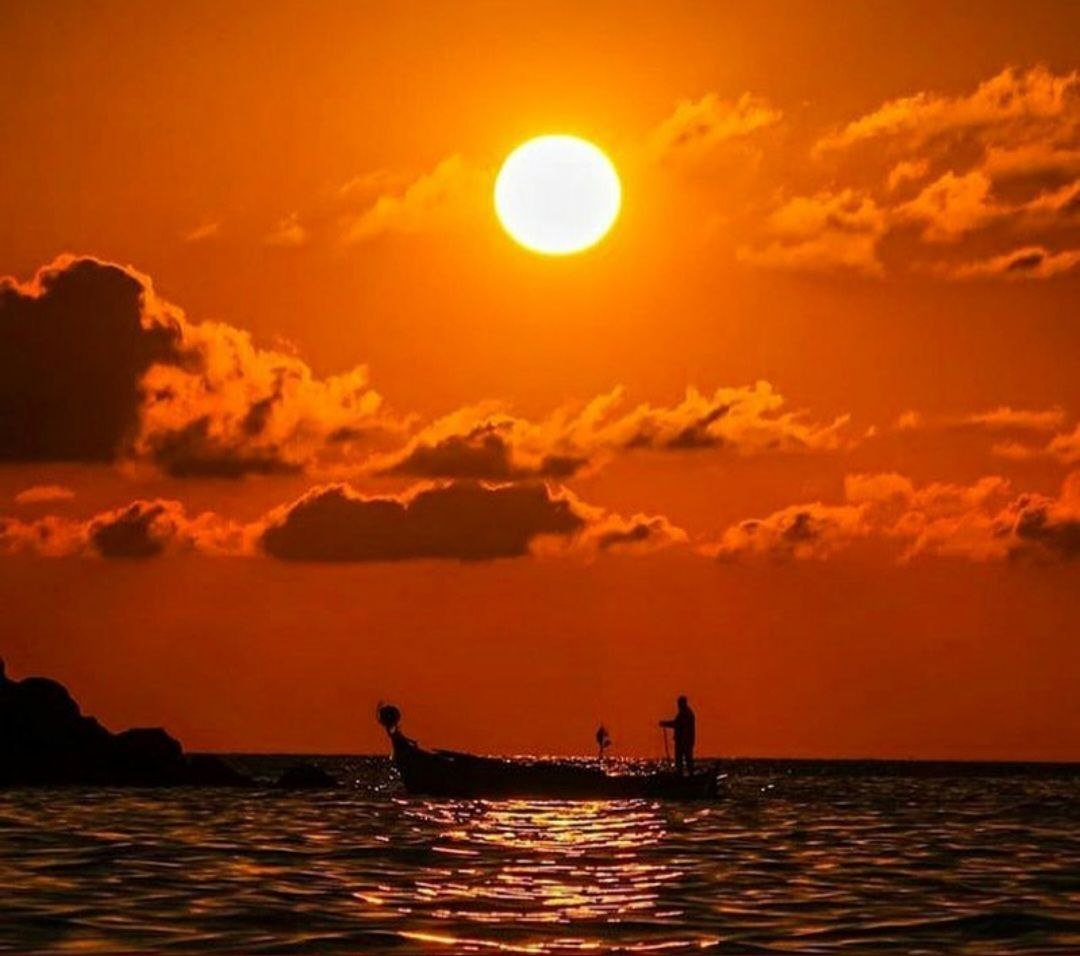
<point x="289" y="425"/>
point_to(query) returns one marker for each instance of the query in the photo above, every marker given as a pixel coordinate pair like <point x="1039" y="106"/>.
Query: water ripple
<point x="779" y="865"/>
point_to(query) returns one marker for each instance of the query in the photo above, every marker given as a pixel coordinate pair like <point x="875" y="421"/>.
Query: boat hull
<point x="441" y="773"/>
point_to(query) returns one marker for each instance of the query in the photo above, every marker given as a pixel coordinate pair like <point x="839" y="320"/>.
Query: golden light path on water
<point x="558" y="864"/>
<point x="819" y="860"/>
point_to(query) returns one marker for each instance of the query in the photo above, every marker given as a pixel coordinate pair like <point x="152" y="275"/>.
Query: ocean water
<point x="791" y="859"/>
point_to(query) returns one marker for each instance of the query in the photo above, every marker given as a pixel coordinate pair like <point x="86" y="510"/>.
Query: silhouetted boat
<point x="446" y="773"/>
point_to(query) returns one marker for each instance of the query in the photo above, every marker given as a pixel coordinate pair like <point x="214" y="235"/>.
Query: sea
<point x="792" y="857"/>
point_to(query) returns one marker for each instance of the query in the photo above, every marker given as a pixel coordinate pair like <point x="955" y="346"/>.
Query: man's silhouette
<point x="683" y="725"/>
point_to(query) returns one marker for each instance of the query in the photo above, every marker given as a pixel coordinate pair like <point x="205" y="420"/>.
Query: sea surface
<point x="793" y="858"/>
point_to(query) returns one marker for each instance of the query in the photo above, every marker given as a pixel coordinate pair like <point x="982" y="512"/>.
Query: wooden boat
<point x="446" y="773"/>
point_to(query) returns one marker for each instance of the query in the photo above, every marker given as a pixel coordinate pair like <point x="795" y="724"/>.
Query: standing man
<point x="683" y="725"/>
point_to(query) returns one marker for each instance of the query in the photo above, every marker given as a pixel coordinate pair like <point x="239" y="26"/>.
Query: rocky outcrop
<point x="46" y="740"/>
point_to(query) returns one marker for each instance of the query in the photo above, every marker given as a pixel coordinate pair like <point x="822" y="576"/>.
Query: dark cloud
<point x="193" y="452"/>
<point x="979" y="522"/>
<point x="641" y="533"/>
<point x="139" y="531"/>
<point x="75" y="343"/>
<point x="476" y="443"/>
<point x="1039" y="528"/>
<point x="464" y="521"/>
<point x="697" y="434"/>
<point x="481" y="453"/>
<point x="95" y="367"/>
<point x="1030" y="262"/>
<point x="808" y="531"/>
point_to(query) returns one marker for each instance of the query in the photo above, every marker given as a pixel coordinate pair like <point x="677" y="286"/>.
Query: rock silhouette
<point x="46" y="740"/>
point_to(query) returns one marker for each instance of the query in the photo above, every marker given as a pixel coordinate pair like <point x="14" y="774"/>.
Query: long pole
<point x="667" y="754"/>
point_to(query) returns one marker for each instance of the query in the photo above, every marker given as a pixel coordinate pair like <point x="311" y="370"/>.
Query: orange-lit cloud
<point x="203" y="232"/>
<point x="288" y="233"/>
<point x="203" y="400"/>
<point x="44" y="494"/>
<point x="1006" y="417"/>
<point x="696" y="127"/>
<point x="1002" y="418"/>
<point x="449" y="193"/>
<point x="1064" y="447"/>
<point x="957" y="175"/>
<point x="482" y="442"/>
<point x="233" y="408"/>
<point x="1014" y="105"/>
<point x="1029" y="262"/>
<point x="982" y="521"/>
<point x="143" y="529"/>
<point x="822" y="232"/>
<point x="463" y="520"/>
<point x="97" y="368"/>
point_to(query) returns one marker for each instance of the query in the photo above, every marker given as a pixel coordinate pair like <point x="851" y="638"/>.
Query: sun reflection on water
<point x="574" y="865"/>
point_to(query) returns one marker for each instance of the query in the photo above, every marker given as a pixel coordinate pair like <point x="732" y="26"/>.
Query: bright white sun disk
<point x="557" y="195"/>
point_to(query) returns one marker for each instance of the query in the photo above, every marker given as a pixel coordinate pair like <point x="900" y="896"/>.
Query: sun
<point x="557" y="195"/>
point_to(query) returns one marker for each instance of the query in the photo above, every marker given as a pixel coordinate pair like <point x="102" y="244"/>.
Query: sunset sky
<point x="289" y="425"/>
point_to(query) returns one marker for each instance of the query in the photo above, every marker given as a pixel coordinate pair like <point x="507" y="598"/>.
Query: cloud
<point x="463" y="521"/>
<point x="697" y="127"/>
<point x="44" y="494"/>
<point x="1037" y="164"/>
<point x="997" y="165"/>
<point x="1026" y="419"/>
<point x="101" y="369"/>
<point x="640" y="534"/>
<point x="486" y="450"/>
<point x="50" y="536"/>
<point x="487" y="443"/>
<point x="1003" y="418"/>
<point x="140" y="530"/>
<point x="234" y="409"/>
<point x="907" y="171"/>
<point x="203" y="232"/>
<point x="951" y="206"/>
<point x="1047" y="529"/>
<point x="1028" y="262"/>
<point x="1015" y="104"/>
<point x="446" y="194"/>
<point x="809" y="531"/>
<point x="288" y="233"/>
<point x="1064" y="447"/>
<point x="747" y="420"/>
<point x="822" y="232"/>
<point x="95" y="367"/>
<point x="77" y="340"/>
<point x="980" y="522"/>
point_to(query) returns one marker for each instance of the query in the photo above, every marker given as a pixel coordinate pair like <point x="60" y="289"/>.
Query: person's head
<point x="683" y="703"/>
<point x="389" y="716"/>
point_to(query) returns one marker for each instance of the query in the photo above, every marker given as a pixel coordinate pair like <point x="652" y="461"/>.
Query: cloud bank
<point x="97" y="368"/>
<point x="982" y="522"/>
<point x="461" y="521"/>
